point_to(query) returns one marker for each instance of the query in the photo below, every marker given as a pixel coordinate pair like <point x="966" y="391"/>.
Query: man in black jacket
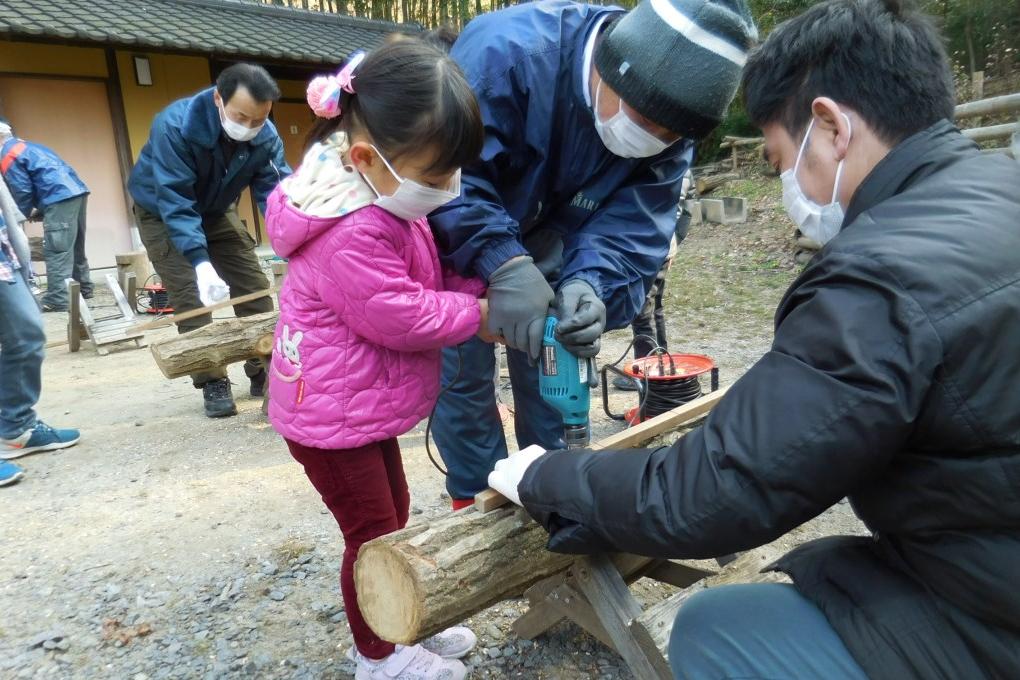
<point x="892" y="379"/>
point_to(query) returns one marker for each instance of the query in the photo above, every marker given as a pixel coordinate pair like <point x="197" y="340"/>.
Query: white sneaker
<point x="408" y="663"/>
<point x="452" y="643"/>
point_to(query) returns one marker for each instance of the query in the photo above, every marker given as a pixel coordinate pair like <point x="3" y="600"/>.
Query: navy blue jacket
<point x="38" y="177"/>
<point x="544" y="167"/>
<point x="182" y="176"/>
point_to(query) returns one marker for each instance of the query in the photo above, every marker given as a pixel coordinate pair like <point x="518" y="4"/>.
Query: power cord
<point x="432" y="415"/>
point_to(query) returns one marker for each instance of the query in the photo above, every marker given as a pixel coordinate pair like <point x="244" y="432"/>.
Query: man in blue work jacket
<point x="591" y="116"/>
<point x="203" y="151"/>
<point x="43" y="184"/>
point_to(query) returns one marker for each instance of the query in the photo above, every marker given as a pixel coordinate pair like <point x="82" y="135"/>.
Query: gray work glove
<point x="519" y="300"/>
<point x="582" y="318"/>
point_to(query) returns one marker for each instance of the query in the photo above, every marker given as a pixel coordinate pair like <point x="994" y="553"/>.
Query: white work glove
<point x="510" y="471"/>
<point x="211" y="288"/>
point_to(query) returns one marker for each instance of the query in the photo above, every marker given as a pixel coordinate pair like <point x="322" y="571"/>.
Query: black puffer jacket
<point x="894" y="379"/>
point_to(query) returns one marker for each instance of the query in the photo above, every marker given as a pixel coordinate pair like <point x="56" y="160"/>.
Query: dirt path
<point x="169" y="545"/>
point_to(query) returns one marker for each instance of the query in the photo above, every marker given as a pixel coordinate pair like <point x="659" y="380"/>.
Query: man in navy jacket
<point x="203" y="151"/>
<point x="591" y="116"/>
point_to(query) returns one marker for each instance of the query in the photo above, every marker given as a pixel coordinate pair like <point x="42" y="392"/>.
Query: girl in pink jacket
<point x="366" y="307"/>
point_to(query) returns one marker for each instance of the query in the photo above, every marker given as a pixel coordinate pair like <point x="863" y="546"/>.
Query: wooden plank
<point x="184" y="316"/>
<point x="122" y="304"/>
<point x="541" y="616"/>
<point x="73" y="317"/>
<point x="616" y="608"/>
<point x="537" y="620"/>
<point x="670" y="420"/>
<point x="490" y="499"/>
<point x="678" y="574"/>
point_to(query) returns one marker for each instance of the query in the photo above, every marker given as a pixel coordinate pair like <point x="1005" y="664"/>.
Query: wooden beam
<point x="985" y="134"/>
<point x="184" y="316"/>
<point x="993" y="106"/>
<point x="489" y="500"/>
<point x="615" y="608"/>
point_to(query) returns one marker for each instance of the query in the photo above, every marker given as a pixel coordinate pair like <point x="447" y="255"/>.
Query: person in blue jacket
<point x="42" y="183"/>
<point x="591" y="116"/>
<point x="203" y="151"/>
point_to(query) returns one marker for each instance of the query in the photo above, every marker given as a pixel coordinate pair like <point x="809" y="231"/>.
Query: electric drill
<point x="564" y="381"/>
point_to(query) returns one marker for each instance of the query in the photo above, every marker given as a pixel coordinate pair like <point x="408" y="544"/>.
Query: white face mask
<point x="412" y="200"/>
<point x="624" y="137"/>
<point x="818" y="222"/>
<point x="236" y="131"/>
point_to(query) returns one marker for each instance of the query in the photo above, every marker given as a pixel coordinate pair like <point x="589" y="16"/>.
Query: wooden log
<point x="993" y="106"/>
<point x="985" y="134"/>
<point x="218" y="344"/>
<point x="424" y="578"/>
<point x="708" y="183"/>
<point x="419" y="580"/>
<point x="730" y="142"/>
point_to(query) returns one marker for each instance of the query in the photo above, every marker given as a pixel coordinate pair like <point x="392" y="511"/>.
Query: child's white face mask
<point x="412" y="200"/>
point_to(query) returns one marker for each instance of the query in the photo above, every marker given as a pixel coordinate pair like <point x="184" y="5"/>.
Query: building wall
<point x="57" y="60"/>
<point x="173" y="77"/>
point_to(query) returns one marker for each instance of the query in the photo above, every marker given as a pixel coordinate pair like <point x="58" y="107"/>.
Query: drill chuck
<point x="576" y="436"/>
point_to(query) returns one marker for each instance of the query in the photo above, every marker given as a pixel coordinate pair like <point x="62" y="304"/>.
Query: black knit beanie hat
<point x="678" y="62"/>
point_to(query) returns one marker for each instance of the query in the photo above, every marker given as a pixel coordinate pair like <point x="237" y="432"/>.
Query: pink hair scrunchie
<point x="323" y="93"/>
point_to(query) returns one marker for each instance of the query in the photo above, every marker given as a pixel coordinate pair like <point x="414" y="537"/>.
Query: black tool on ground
<point x="664" y="381"/>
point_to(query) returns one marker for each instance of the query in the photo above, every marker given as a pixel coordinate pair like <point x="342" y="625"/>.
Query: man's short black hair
<point x="881" y="58"/>
<point x="252" y="77"/>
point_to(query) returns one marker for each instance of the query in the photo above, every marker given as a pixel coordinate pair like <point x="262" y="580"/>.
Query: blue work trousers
<point x="21" y="355"/>
<point x="467" y="427"/>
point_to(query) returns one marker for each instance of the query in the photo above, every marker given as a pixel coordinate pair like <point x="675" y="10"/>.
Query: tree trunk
<point x="218" y="344"/>
<point x="709" y="183"/>
<point x="422" y="579"/>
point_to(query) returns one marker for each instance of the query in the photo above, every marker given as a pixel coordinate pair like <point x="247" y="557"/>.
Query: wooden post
<point x="616" y="608"/>
<point x="73" y="315"/>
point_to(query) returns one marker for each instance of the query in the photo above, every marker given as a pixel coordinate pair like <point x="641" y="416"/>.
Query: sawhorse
<point x="594" y="594"/>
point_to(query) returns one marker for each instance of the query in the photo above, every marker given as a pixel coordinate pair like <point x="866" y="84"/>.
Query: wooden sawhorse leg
<point x="594" y="595"/>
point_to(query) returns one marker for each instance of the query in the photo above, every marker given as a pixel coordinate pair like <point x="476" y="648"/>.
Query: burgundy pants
<point x="366" y="491"/>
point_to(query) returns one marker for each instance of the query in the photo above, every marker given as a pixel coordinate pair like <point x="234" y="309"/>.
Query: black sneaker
<point x="47" y="307"/>
<point x="219" y="402"/>
<point x="258" y="384"/>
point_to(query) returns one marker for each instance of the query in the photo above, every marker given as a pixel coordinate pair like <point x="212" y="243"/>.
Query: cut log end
<point x="393" y="612"/>
<point x="264" y="345"/>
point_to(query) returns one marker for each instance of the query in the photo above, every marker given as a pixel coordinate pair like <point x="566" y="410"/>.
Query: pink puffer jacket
<point x="364" y="312"/>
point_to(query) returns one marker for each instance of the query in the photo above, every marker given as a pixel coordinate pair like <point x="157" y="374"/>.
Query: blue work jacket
<point x="182" y="174"/>
<point x="545" y="174"/>
<point x="38" y="177"/>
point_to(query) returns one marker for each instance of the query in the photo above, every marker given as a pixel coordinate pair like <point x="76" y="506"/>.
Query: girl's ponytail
<point x="405" y="96"/>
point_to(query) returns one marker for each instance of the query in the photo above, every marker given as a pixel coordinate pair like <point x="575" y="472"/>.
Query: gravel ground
<point x="168" y="545"/>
